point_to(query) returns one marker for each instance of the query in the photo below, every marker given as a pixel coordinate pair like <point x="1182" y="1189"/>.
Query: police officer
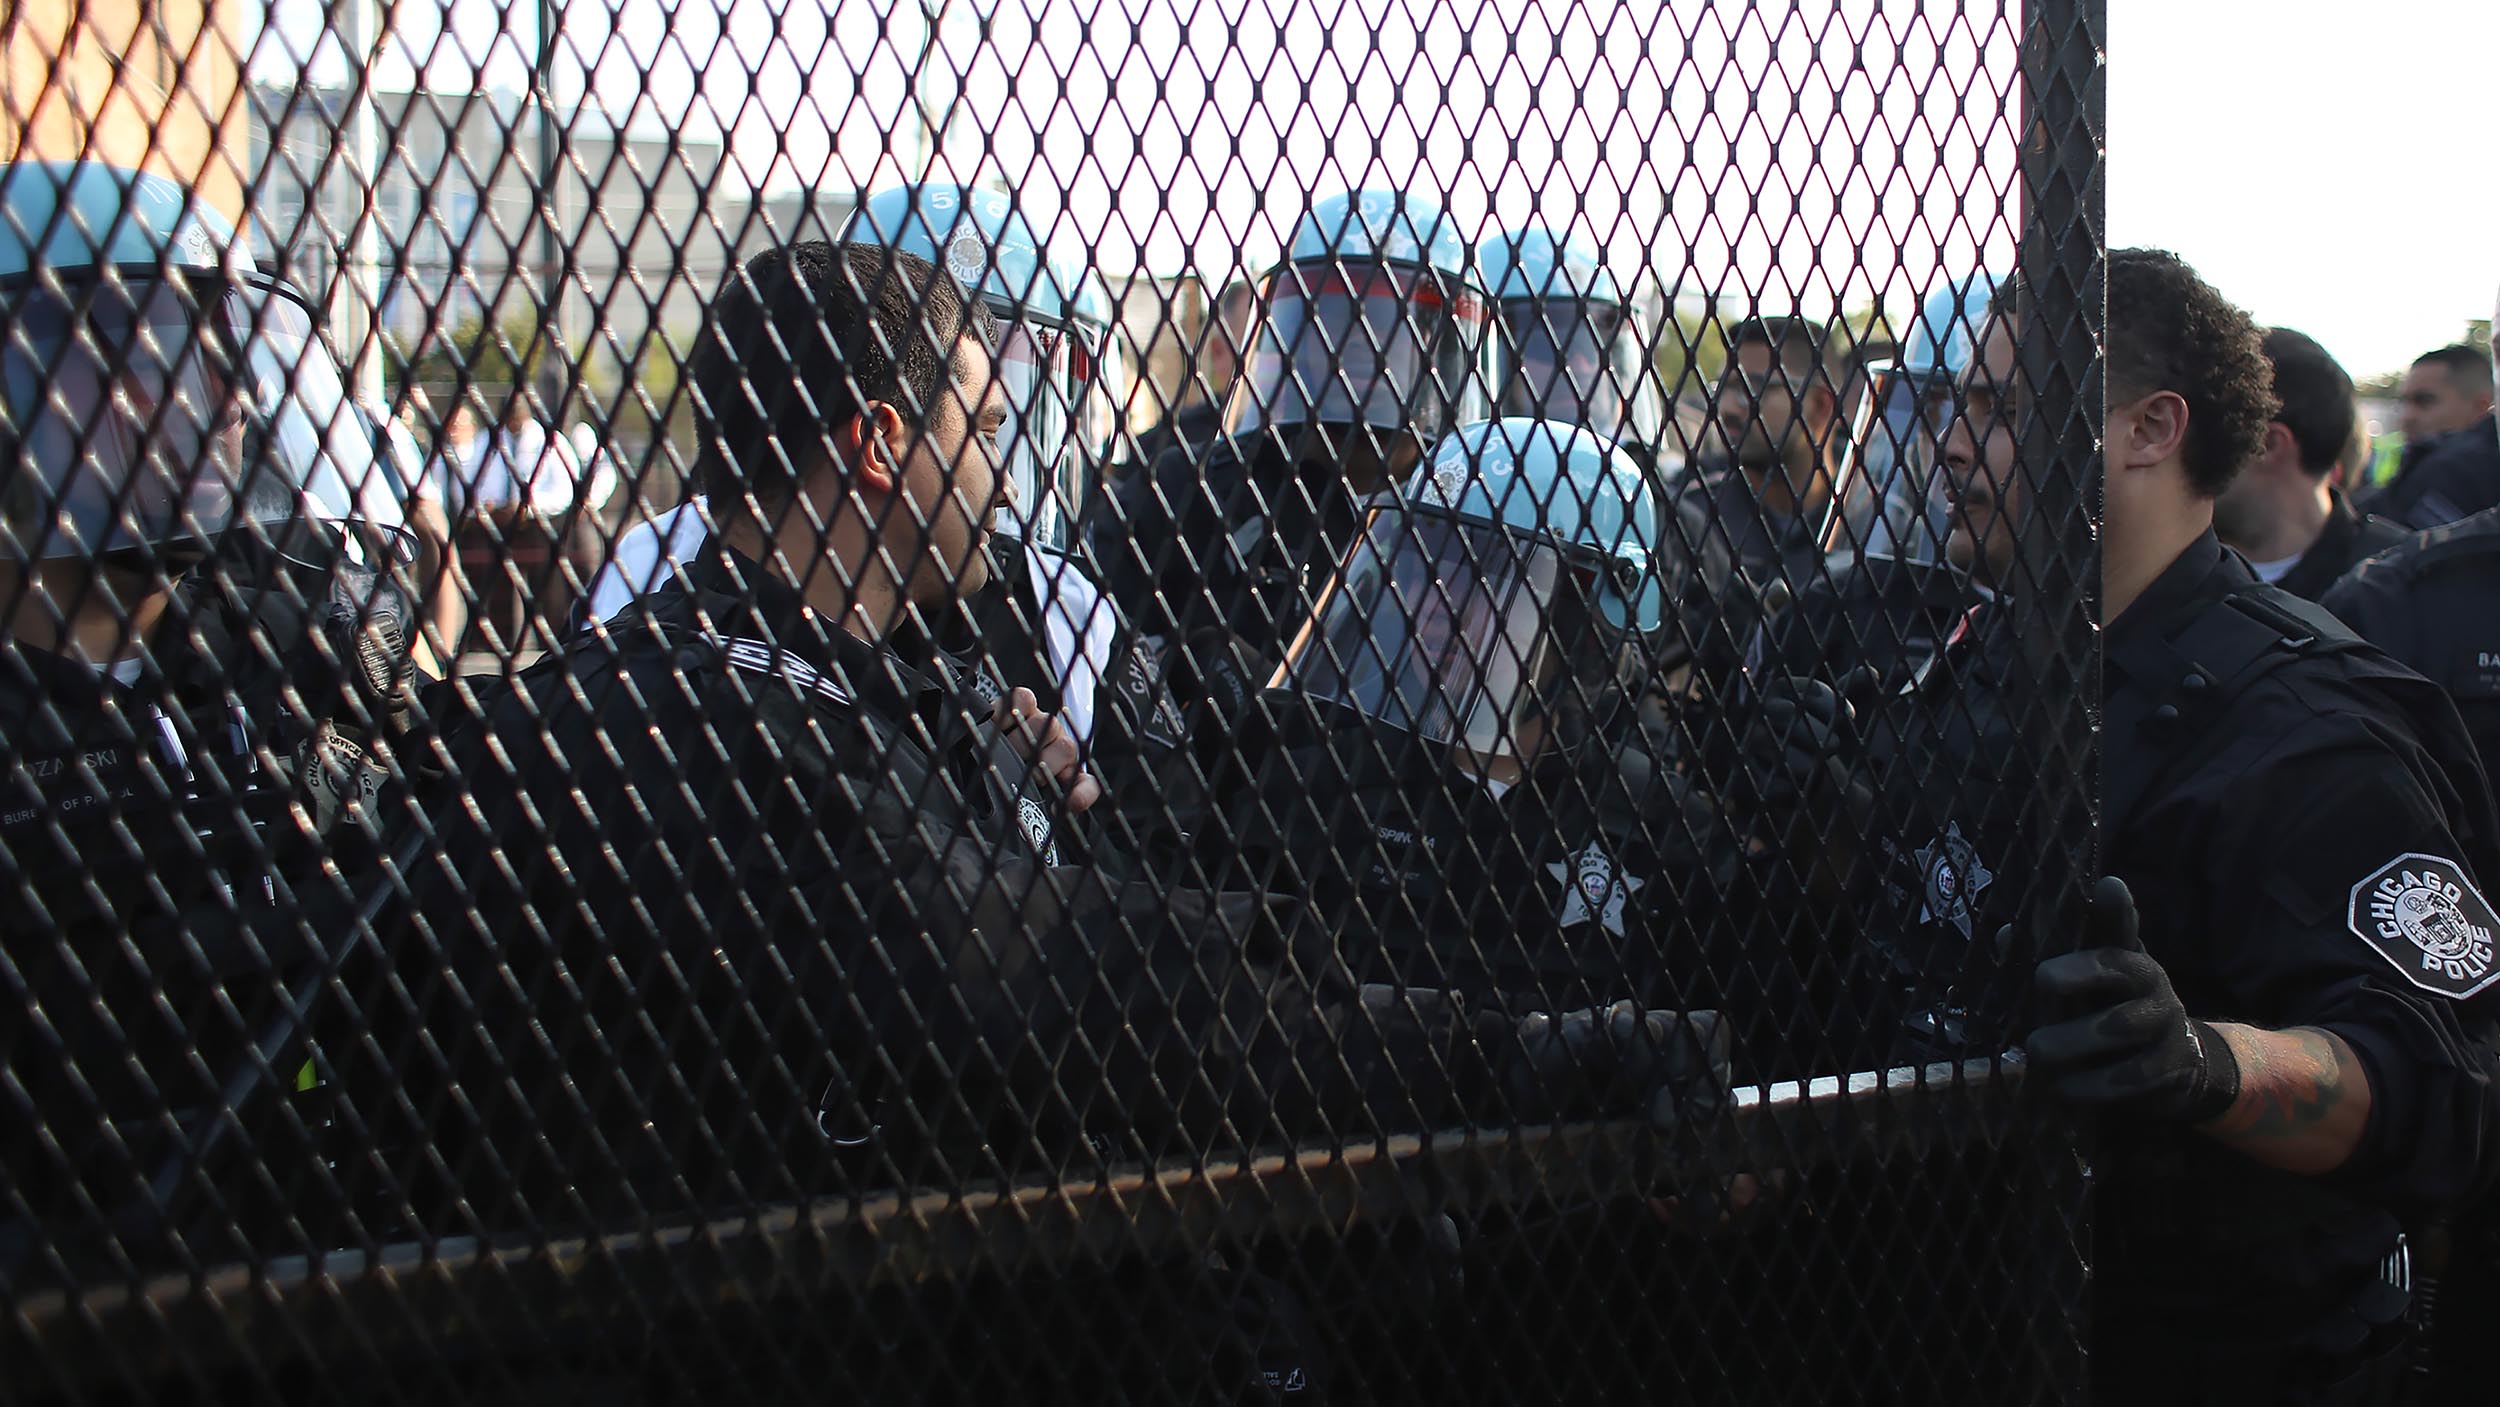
<point x="2282" y="512"/>
<point x="1780" y="412"/>
<point x="1571" y="347"/>
<point x="2279" y="999"/>
<point x="1568" y="345"/>
<point x="1043" y="624"/>
<point x="1370" y="345"/>
<point x="865" y="966"/>
<point x="1451" y="756"/>
<point x="2454" y="474"/>
<point x="1894" y="594"/>
<point x="2428" y="602"/>
<point x="203" y="660"/>
<point x="1452" y="765"/>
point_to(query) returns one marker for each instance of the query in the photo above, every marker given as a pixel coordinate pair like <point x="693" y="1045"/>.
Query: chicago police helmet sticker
<point x="2425" y="916"/>
<point x="1951" y="879"/>
<point x="967" y="255"/>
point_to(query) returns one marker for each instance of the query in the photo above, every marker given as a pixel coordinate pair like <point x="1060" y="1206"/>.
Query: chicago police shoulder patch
<point x="2427" y="919"/>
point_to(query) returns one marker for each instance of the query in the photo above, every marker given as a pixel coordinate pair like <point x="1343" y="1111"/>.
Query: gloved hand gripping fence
<point x="1672" y="1067"/>
<point x="2126" y="1044"/>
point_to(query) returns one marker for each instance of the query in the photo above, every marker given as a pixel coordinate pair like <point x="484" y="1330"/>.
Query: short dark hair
<point x="1800" y="345"/>
<point x="2169" y="330"/>
<point x="2468" y="367"/>
<point x="2317" y="399"/>
<point x="799" y="342"/>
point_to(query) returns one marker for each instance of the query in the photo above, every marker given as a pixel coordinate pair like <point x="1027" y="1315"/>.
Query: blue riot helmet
<point x="156" y="391"/>
<point x="1376" y="319"/>
<point x="1051" y="329"/>
<point x="1516" y="582"/>
<point x="1569" y="345"/>
<point x="1887" y="500"/>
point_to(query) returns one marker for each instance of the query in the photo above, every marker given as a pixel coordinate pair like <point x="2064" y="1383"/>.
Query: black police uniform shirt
<point x="148" y="910"/>
<point x="1926" y="980"/>
<point x="1193" y="430"/>
<point x="1744" y="561"/>
<point x="1768" y="545"/>
<point x="2304" y="827"/>
<point x="1887" y="615"/>
<point x="1239" y="538"/>
<point x="1577" y="885"/>
<point x="738" y="907"/>
<point x="2434" y="604"/>
<point x="2348" y="539"/>
<point x="2457" y="477"/>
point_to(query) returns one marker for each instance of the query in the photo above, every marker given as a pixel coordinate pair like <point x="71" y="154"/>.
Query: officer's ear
<point x="2146" y="432"/>
<point x="2282" y="452"/>
<point x="871" y="446"/>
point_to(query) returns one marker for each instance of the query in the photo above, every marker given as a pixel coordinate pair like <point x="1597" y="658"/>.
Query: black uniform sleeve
<point x="1046" y="1002"/>
<point x="1155" y="547"/>
<point x="2313" y="858"/>
<point x="2371" y="600"/>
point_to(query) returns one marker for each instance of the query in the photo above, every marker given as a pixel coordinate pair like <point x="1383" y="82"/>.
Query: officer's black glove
<point x="2132" y="1048"/>
<point x="1669" y="1065"/>
<point x="1801" y="744"/>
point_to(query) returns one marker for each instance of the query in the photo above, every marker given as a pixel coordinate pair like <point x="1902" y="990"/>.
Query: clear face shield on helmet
<point x="1581" y="363"/>
<point x="319" y="444"/>
<point x="1452" y="631"/>
<point x="152" y="413"/>
<point x="1044" y="370"/>
<point x="1393" y="348"/>
<point x="1889" y="502"/>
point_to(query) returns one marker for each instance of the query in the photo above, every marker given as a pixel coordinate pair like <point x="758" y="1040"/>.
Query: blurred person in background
<point x="1779" y="408"/>
<point x="2453" y="469"/>
<point x="2281" y="512"/>
<point x="2443" y="392"/>
<point x="514" y="505"/>
<point x="1195" y="421"/>
<point x="406" y="437"/>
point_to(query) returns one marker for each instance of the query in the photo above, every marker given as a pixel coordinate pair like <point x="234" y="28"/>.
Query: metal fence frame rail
<point x="427" y="1299"/>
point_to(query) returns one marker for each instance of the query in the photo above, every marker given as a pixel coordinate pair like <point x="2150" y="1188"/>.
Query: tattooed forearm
<point x="2304" y="1099"/>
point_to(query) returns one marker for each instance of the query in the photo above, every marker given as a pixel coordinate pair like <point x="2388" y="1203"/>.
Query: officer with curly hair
<point x="2280" y="994"/>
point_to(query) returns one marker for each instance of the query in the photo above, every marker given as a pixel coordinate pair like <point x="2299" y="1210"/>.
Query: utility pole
<point x="356" y="295"/>
<point x="552" y="273"/>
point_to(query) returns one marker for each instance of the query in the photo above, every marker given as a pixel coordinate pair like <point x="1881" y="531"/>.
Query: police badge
<point x="2426" y="918"/>
<point x="1593" y="889"/>
<point x="1951" y="879"/>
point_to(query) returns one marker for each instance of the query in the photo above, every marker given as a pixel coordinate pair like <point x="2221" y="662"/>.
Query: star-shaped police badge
<point x="1951" y="879"/>
<point x="1593" y="889"/>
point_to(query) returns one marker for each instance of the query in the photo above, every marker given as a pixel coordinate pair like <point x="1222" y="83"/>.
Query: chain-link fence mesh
<point x="997" y="703"/>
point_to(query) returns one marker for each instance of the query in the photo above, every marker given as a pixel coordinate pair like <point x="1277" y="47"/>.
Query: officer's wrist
<point x="2219" y="1088"/>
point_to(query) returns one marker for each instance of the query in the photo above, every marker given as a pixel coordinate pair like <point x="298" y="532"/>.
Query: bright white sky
<point x="2333" y="165"/>
<point x="2321" y="160"/>
<point x="1157" y="140"/>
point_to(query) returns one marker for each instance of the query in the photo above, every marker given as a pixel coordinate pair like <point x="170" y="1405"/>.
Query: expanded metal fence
<point x="993" y="703"/>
